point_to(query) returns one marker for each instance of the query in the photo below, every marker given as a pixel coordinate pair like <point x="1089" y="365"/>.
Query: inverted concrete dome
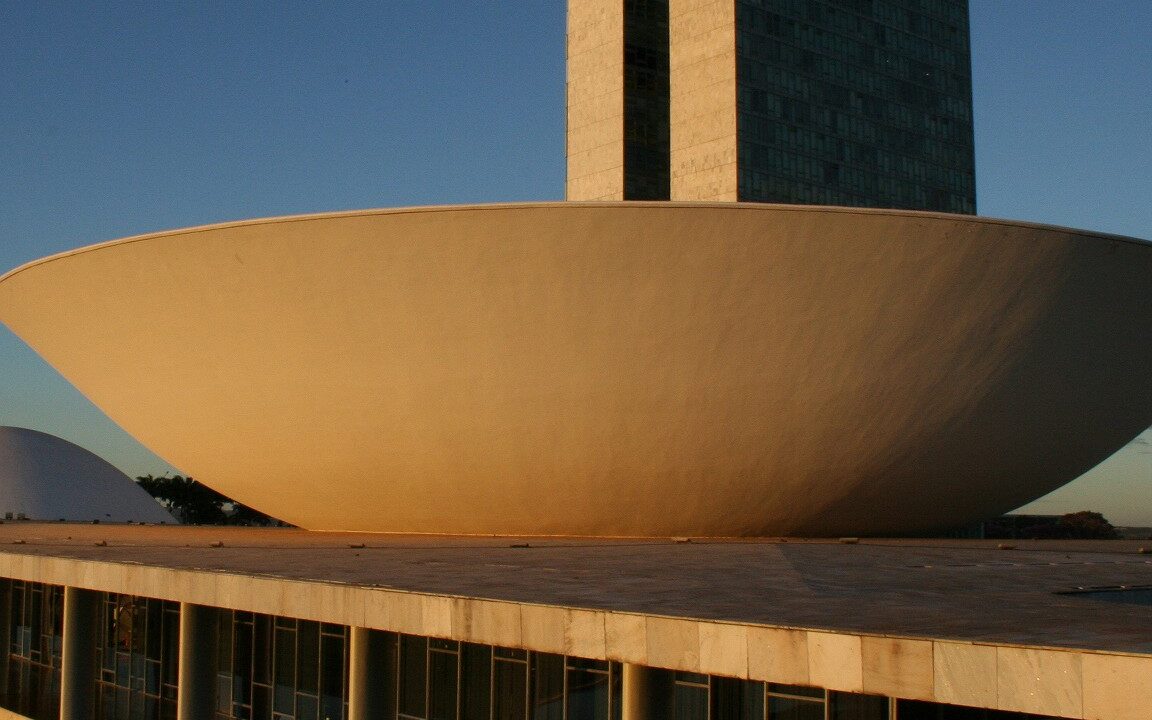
<point x="43" y="477"/>
<point x="610" y="369"/>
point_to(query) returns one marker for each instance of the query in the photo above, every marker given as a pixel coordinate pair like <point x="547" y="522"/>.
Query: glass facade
<point x="139" y="647"/>
<point x="838" y="102"/>
<point x="36" y="630"/>
<point x="855" y="102"/>
<point x="278" y="668"/>
<point x="646" y="120"/>
<point x="449" y="680"/>
<point x="275" y="668"/>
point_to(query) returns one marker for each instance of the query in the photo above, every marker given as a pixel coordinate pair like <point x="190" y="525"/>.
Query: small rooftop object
<point x="43" y="477"/>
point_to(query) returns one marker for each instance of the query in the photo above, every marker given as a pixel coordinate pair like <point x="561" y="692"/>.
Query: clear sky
<point x="129" y="117"/>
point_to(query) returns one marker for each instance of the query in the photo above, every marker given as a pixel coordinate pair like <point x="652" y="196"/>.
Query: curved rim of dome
<point x="632" y="204"/>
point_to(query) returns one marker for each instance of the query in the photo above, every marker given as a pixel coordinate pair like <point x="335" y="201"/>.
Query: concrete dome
<point x="611" y="368"/>
<point x="43" y="477"/>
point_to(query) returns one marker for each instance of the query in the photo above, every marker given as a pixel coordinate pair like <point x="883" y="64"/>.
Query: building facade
<point x="828" y="102"/>
<point x="103" y="622"/>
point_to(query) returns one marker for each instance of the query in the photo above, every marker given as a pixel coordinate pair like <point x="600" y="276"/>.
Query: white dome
<point x="43" y="477"/>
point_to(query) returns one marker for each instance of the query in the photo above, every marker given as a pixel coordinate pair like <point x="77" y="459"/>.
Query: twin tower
<point x="828" y="102"/>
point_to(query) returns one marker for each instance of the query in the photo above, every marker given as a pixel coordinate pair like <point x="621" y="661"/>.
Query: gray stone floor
<point x="944" y="589"/>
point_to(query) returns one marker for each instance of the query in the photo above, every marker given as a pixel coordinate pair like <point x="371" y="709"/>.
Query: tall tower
<point x="836" y="102"/>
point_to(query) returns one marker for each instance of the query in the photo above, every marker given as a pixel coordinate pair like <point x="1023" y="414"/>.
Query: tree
<point x="1087" y="525"/>
<point x="196" y="504"/>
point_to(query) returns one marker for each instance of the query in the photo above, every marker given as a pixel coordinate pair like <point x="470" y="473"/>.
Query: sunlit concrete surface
<point x="610" y="369"/>
<point x="43" y="477"/>
<point x="958" y="622"/>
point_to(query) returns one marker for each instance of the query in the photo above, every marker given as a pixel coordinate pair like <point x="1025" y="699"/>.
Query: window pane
<point x="476" y="681"/>
<point x="332" y="674"/>
<point x="734" y="699"/>
<point x="548" y="691"/>
<point x="780" y="708"/>
<point x="689" y="702"/>
<point x="801" y="690"/>
<point x="306" y="708"/>
<point x="587" y="695"/>
<point x="442" y="686"/>
<point x="308" y="657"/>
<point x="413" y="673"/>
<point x="261" y="649"/>
<point x="284" y="671"/>
<point x="509" y="690"/>
<point x="851" y="706"/>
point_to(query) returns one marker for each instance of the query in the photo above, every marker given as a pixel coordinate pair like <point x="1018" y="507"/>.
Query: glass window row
<point x="916" y="35"/>
<point x="876" y="71"/>
<point x="301" y="670"/>
<point x="933" y="138"/>
<point x="839" y="94"/>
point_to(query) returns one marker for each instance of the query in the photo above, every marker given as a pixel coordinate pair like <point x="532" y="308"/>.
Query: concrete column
<point x="367" y="663"/>
<point x="5" y="632"/>
<point x="647" y="693"/>
<point x="196" y="691"/>
<point x="636" y="693"/>
<point x="78" y="670"/>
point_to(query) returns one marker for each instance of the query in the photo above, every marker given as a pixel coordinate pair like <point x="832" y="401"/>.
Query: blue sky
<point x="129" y="117"/>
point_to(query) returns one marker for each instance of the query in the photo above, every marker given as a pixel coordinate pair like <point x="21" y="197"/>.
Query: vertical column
<point x="595" y="134"/>
<point x="196" y="692"/>
<point x="647" y="693"/>
<point x="635" y="703"/>
<point x="5" y="632"/>
<point x="367" y="663"/>
<point x="702" y="90"/>
<point x="78" y="661"/>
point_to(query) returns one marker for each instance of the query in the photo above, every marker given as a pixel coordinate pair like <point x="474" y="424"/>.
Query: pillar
<point x="196" y="691"/>
<point x="646" y="692"/>
<point x="635" y="692"/>
<point x="78" y="670"/>
<point x="5" y="633"/>
<point x="367" y="662"/>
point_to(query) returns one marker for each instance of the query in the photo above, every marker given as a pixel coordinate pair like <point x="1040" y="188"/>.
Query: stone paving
<point x="946" y="589"/>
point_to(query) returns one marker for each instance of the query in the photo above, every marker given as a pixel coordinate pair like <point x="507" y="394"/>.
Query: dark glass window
<point x="413" y="675"/>
<point x="919" y="710"/>
<point x="509" y="688"/>
<point x="443" y="680"/>
<point x="475" y="681"/>
<point x="690" y="696"/>
<point x="36" y="628"/>
<point x="852" y="706"/>
<point x="548" y="686"/>
<point x="864" y="104"/>
<point x="138" y="643"/>
<point x="734" y="699"/>
<point x="589" y="689"/>
<point x="795" y="702"/>
<point x="646" y="105"/>
<point x="277" y="668"/>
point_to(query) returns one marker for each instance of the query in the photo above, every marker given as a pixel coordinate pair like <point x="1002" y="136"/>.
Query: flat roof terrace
<point x="969" y="590"/>
<point x="950" y="621"/>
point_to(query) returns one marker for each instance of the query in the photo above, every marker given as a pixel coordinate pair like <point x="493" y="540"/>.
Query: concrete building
<point x="222" y="623"/>
<point x="863" y="103"/>
<point x="537" y="378"/>
<point x="612" y="369"/>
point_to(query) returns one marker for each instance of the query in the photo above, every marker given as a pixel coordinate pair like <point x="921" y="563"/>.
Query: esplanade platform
<point x="1051" y="627"/>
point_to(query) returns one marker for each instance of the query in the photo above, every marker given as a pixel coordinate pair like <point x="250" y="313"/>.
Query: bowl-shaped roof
<point x="610" y="369"/>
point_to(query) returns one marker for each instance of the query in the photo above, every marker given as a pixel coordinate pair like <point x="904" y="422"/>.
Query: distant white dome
<point x="43" y="477"/>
